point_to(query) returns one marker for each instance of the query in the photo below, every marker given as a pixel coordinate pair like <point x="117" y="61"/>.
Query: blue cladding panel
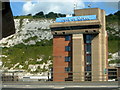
<point x="76" y="18"/>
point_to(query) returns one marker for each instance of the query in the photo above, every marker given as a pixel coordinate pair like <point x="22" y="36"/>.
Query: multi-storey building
<point x="80" y="46"/>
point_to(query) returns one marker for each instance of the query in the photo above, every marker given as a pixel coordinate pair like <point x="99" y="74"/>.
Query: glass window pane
<point x="67" y="48"/>
<point x="88" y="38"/>
<point x="67" y="59"/>
<point x="67" y="69"/>
<point x="88" y="49"/>
<point x="67" y="38"/>
<point x="88" y="60"/>
<point x="88" y="68"/>
<point x="87" y="41"/>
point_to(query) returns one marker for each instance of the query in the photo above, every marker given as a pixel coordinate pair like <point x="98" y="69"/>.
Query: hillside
<point x="113" y="23"/>
<point x="30" y="48"/>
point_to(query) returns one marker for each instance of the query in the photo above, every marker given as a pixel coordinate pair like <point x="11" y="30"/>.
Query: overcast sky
<point x="64" y="6"/>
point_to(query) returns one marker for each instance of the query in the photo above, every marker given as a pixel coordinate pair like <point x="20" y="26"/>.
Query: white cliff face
<point x="115" y="29"/>
<point x="28" y="32"/>
<point x="31" y="29"/>
<point x="114" y="56"/>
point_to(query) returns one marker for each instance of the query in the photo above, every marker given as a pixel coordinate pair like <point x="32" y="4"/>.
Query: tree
<point x="110" y="15"/>
<point x="39" y="15"/>
<point x="51" y="15"/>
<point x="117" y="13"/>
<point x="29" y="15"/>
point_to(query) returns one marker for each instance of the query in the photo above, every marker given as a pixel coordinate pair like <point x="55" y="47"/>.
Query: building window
<point x="88" y="49"/>
<point x="67" y="38"/>
<point x="67" y="69"/>
<point x="88" y="68"/>
<point x="88" y="38"/>
<point x="67" y="48"/>
<point x="88" y="41"/>
<point x="88" y="58"/>
<point x="67" y="59"/>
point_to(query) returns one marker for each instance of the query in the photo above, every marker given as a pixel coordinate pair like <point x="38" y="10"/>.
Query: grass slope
<point x="113" y="46"/>
<point x="22" y="53"/>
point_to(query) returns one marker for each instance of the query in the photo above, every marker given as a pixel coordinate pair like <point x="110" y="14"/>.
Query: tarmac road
<point x="60" y="89"/>
<point x="60" y="86"/>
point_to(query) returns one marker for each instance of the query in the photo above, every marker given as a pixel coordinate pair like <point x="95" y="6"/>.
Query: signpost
<point x="76" y="18"/>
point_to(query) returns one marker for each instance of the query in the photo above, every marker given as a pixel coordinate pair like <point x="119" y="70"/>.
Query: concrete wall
<point x="99" y="45"/>
<point x="104" y="46"/>
<point x="85" y="31"/>
<point x="88" y="11"/>
<point x="78" y="57"/>
<point x="96" y="63"/>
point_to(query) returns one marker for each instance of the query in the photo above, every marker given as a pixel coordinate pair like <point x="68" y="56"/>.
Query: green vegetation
<point x="22" y="53"/>
<point x="114" y="61"/>
<point x="23" y="17"/>
<point x="113" y="40"/>
<point x="45" y="43"/>
<point x="113" y="45"/>
<point x="31" y="38"/>
<point x="41" y="15"/>
<point x="113" y="17"/>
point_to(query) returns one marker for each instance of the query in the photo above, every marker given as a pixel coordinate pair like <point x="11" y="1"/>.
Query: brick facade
<point x="59" y="54"/>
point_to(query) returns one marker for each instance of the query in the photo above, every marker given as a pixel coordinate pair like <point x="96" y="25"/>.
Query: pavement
<point x="60" y="86"/>
<point x="60" y="89"/>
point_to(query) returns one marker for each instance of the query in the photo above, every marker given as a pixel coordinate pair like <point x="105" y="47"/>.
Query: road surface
<point x="60" y="86"/>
